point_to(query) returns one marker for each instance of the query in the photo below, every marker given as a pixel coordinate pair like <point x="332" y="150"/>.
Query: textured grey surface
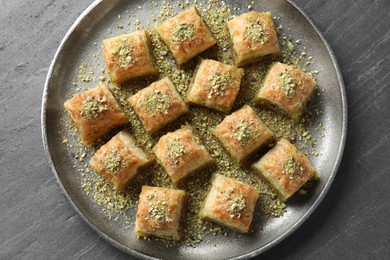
<point x="352" y="222"/>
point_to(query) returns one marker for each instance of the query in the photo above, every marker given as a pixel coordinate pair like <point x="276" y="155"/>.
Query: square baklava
<point x="285" y="168"/>
<point x="158" y="104"/>
<point x="230" y="203"/>
<point x="180" y="154"/>
<point x="128" y="56"/>
<point x="159" y="212"/>
<point x="215" y="85"/>
<point x="286" y="89"/>
<point x="252" y="36"/>
<point x="95" y="112"/>
<point x="119" y="160"/>
<point x="243" y="133"/>
<point x="186" y="35"/>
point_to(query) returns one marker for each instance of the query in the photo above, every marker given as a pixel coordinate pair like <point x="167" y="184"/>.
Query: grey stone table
<point x="353" y="222"/>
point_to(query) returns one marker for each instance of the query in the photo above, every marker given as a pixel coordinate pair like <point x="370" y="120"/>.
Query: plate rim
<point x="254" y="253"/>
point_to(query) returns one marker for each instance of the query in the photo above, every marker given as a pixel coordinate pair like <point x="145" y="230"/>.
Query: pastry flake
<point x="128" y="56"/>
<point x="180" y="154"/>
<point x="119" y="160"/>
<point x="158" y="104"/>
<point x="285" y="168"/>
<point x="252" y="36"/>
<point x="286" y="89"/>
<point x="95" y="112"/>
<point x="215" y="85"/>
<point x="242" y="133"/>
<point x="230" y="203"/>
<point x="186" y="35"/>
<point x="159" y="212"/>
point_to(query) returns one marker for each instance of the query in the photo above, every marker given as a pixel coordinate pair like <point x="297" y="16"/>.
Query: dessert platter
<point x="194" y="129"/>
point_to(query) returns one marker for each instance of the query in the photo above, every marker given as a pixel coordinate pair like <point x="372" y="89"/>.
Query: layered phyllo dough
<point x="252" y="36"/>
<point x="158" y="104"/>
<point x="215" y="85"/>
<point x="186" y="35"/>
<point x="285" y="168"/>
<point x="128" y="56"/>
<point x="242" y="133"/>
<point x="286" y="89"/>
<point x="119" y="160"/>
<point x="95" y="112"/>
<point x="159" y="212"/>
<point x="230" y="203"/>
<point x="180" y="154"/>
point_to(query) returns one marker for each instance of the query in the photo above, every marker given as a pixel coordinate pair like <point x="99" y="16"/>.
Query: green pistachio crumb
<point x="159" y="212"/>
<point x="183" y="32"/>
<point x="176" y="149"/>
<point x="243" y="132"/>
<point x="112" y="162"/>
<point x="157" y="103"/>
<point x="123" y="53"/>
<point x="93" y="106"/>
<point x="256" y="32"/>
<point x="237" y="206"/>
<point x="218" y="84"/>
<point x="288" y="84"/>
<point x="292" y="167"/>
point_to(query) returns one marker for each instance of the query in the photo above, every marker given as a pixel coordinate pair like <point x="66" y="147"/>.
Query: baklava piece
<point x="215" y="85"/>
<point x="252" y="36"/>
<point x="230" y="203"/>
<point x="285" y="168"/>
<point x="158" y="105"/>
<point x="180" y="154"/>
<point x="243" y="133"/>
<point x="128" y="56"/>
<point x="286" y="89"/>
<point x="186" y="35"/>
<point x="159" y="212"/>
<point x="95" y="112"/>
<point x="119" y="160"/>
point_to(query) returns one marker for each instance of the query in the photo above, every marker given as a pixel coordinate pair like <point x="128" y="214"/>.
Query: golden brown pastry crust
<point x="184" y="50"/>
<point x="277" y="94"/>
<point x="158" y="104"/>
<point x="159" y="212"/>
<point x="242" y="133"/>
<point x="230" y="203"/>
<point x="286" y="168"/>
<point x="128" y="56"/>
<point x="245" y="49"/>
<point x="119" y="160"/>
<point x="95" y="112"/>
<point x="180" y="154"/>
<point x="215" y="85"/>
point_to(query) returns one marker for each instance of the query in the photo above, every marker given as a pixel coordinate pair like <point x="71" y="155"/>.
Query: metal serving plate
<point x="78" y="45"/>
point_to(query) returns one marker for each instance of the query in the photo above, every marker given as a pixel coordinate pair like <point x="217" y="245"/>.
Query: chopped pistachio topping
<point x="292" y="167"/>
<point x="182" y="32"/>
<point x="93" y="106"/>
<point x="288" y="84"/>
<point x="123" y="53"/>
<point x="217" y="13"/>
<point x="112" y="162"/>
<point x="229" y="191"/>
<point x="176" y="149"/>
<point x="256" y="32"/>
<point x="157" y="103"/>
<point x="237" y="206"/>
<point x="158" y="210"/>
<point x="243" y="132"/>
<point x="218" y="84"/>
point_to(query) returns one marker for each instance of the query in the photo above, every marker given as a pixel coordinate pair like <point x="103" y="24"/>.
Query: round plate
<point x="79" y="45"/>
